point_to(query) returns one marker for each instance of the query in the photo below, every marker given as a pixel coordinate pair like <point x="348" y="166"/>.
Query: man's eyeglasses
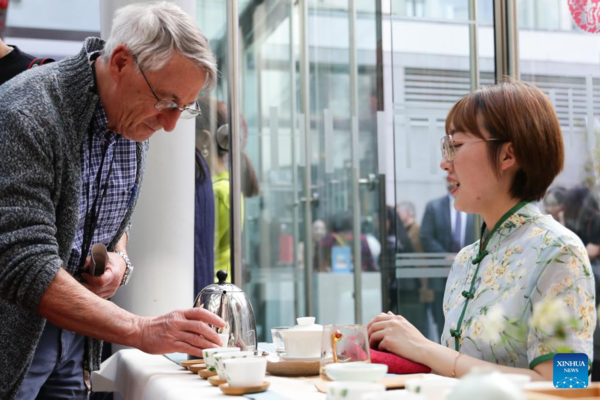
<point x="165" y="105"/>
<point x="449" y="147"/>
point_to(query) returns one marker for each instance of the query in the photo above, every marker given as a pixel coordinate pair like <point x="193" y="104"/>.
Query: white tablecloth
<point x="140" y="376"/>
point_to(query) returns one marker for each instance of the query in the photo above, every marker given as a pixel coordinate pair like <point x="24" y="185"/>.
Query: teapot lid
<point x="306" y="324"/>
<point x="222" y="285"/>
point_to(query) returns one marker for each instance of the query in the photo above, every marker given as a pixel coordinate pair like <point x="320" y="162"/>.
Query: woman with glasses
<point x="525" y="291"/>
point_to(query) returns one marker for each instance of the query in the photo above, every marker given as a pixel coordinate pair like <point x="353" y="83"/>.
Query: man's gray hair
<point x="154" y="31"/>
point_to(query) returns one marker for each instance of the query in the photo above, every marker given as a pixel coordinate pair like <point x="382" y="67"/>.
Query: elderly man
<point x="73" y="142"/>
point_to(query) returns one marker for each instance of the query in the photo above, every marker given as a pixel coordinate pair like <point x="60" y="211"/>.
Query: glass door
<point x="310" y="93"/>
<point x="438" y="52"/>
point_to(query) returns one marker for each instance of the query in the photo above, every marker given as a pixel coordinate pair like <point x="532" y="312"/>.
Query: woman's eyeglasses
<point x="448" y="146"/>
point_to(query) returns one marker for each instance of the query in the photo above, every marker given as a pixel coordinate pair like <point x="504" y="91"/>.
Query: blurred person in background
<point x="339" y="241"/>
<point x="13" y="61"/>
<point x="216" y="148"/>
<point x="204" y="201"/>
<point x="444" y="229"/>
<point x="407" y="212"/>
<point x="554" y="203"/>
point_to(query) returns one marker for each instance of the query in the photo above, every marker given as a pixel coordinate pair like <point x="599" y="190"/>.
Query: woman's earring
<point x="205" y="151"/>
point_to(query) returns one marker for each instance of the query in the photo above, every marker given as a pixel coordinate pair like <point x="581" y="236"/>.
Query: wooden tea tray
<point x="240" y="391"/>
<point x="391" y="383"/>
<point x="278" y="367"/>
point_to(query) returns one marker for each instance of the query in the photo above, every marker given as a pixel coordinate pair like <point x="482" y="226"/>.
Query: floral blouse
<point x="531" y="295"/>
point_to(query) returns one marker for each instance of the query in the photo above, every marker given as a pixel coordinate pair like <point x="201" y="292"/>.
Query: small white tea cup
<point x="208" y="356"/>
<point x="224" y="339"/>
<point x="245" y="372"/>
<point x="344" y="390"/>
<point x="220" y="357"/>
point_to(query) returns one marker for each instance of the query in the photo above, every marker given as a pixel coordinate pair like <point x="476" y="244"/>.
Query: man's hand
<point x="105" y="285"/>
<point x="183" y="331"/>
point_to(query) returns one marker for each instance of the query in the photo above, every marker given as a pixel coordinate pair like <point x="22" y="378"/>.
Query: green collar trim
<point x="468" y="295"/>
<point x="501" y="222"/>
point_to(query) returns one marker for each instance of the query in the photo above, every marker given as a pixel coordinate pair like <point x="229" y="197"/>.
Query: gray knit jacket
<point x="44" y="115"/>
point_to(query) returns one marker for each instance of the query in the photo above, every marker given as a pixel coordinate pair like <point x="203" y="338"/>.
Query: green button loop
<point x="455" y="333"/>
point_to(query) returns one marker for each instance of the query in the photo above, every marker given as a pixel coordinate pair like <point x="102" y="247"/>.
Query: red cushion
<point x="397" y="364"/>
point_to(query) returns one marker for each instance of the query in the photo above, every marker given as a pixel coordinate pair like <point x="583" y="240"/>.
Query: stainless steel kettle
<point x="231" y="304"/>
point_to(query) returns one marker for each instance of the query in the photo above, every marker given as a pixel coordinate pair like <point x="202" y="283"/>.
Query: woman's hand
<point x="393" y="333"/>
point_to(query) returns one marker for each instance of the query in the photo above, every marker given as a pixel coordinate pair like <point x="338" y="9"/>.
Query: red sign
<point x="3" y="11"/>
<point x="586" y="14"/>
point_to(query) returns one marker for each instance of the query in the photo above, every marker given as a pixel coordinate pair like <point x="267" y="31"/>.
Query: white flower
<point x="493" y="324"/>
<point x="537" y="231"/>
<point x="573" y="265"/>
<point x="567" y="281"/>
<point x="571" y="301"/>
<point x="549" y="314"/>
<point x="477" y="328"/>
<point x="510" y="277"/>
<point x="556" y="289"/>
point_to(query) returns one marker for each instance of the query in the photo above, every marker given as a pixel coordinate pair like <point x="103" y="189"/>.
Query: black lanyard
<point x="93" y="214"/>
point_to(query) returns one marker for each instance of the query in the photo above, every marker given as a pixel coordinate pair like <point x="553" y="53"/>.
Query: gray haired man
<point x="73" y="142"/>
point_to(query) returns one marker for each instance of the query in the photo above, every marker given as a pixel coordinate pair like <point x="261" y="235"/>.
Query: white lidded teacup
<point x="304" y="339"/>
<point x="208" y="356"/>
<point x="221" y="357"/>
<point x="245" y="372"/>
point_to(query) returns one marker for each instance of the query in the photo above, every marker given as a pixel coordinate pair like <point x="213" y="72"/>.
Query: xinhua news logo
<point x="570" y="370"/>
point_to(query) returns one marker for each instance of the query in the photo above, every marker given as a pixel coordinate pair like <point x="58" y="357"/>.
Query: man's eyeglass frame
<point x="165" y="105"/>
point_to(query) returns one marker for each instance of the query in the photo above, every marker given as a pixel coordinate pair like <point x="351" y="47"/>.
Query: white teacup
<point x="220" y="357"/>
<point x="353" y="390"/>
<point x="224" y="339"/>
<point x="245" y="372"/>
<point x="208" y="356"/>
<point x="431" y="388"/>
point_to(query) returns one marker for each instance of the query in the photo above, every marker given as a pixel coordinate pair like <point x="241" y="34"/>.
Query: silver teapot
<point x="231" y="304"/>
